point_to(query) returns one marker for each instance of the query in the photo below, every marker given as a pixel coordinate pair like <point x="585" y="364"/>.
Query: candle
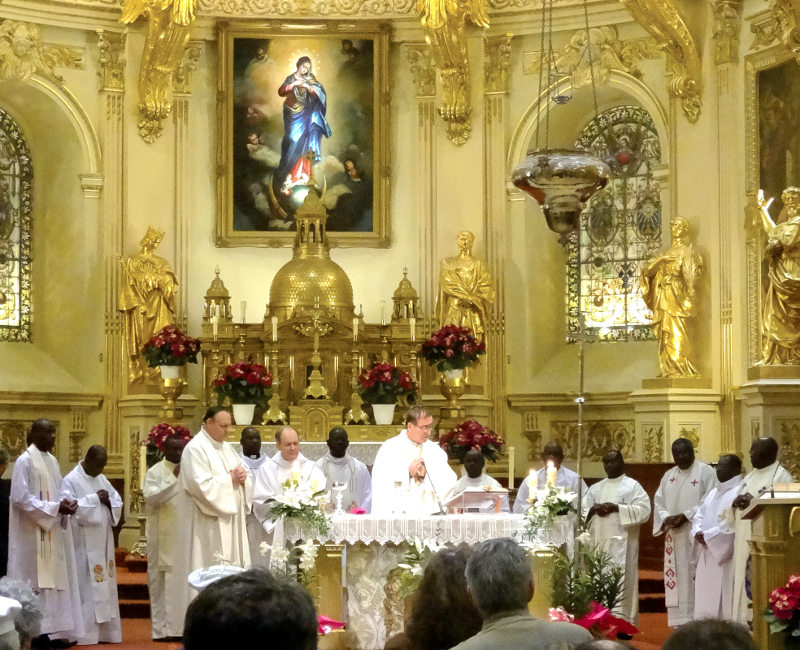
<point x="412" y="324"/>
<point x="383" y="314"/>
<point x="355" y="330"/>
<point x="142" y="463"/>
<point x="551" y="473"/>
<point x="510" y="467"/>
<point x="532" y="481"/>
<point x="214" y="326"/>
<point x="274" y="329"/>
<point x="244" y="311"/>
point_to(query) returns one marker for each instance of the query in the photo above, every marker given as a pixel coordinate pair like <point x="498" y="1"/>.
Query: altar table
<point x="356" y="557"/>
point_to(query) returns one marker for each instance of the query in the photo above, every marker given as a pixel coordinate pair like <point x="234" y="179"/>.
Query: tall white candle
<point x="214" y="326"/>
<point x="383" y="312"/>
<point x="274" y="329"/>
<point x="355" y="330"/>
<point x="551" y="473"/>
<point x="510" y="467"/>
<point x="412" y="323"/>
<point x="244" y="312"/>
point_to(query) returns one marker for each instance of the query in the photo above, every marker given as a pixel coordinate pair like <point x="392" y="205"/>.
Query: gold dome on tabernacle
<point x="311" y="278"/>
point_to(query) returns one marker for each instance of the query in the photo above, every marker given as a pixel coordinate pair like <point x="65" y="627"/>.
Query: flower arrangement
<point x="550" y="503"/>
<point x="301" y="501"/>
<point x="471" y="434"/>
<point x="783" y="611"/>
<point x="170" y="347"/>
<point x="385" y="383"/>
<point x="452" y="348"/>
<point x="157" y="439"/>
<point x="244" y="383"/>
<point x="414" y="562"/>
<point x="586" y="590"/>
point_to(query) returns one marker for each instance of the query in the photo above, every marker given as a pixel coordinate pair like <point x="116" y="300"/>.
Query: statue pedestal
<point x="666" y="409"/>
<point x="770" y="407"/>
<point x="775" y="554"/>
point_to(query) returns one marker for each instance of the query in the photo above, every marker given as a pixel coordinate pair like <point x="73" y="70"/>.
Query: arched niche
<point x="68" y="270"/>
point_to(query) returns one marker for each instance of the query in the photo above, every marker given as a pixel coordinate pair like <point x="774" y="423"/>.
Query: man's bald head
<point x="95" y="460"/>
<point x="763" y="452"/>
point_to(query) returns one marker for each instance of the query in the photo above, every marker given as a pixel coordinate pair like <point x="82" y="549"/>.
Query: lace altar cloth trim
<point x="454" y="529"/>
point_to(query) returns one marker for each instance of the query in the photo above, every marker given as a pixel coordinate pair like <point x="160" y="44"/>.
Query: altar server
<point x="99" y="510"/>
<point x="766" y="472"/>
<point x="713" y="537"/>
<point x="339" y="466"/>
<point x="160" y="491"/>
<point x="253" y="458"/>
<point x="565" y="477"/>
<point x="476" y="479"/>
<point x="251" y="453"/>
<point x="615" y="508"/>
<point x="213" y="491"/>
<point x="411" y="474"/>
<point x="676" y="501"/>
<point x="40" y="540"/>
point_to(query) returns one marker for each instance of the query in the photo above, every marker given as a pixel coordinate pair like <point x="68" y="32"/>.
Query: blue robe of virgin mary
<point x="304" y="123"/>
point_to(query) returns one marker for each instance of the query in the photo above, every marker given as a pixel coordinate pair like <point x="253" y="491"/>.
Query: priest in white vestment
<point x="766" y="472"/>
<point x="99" y="510"/>
<point x="680" y="493"/>
<point x="565" y="477"/>
<point x="213" y="491"/>
<point x="253" y="458"/>
<point x="476" y="480"/>
<point x="615" y="508"/>
<point x="411" y="474"/>
<point x="340" y="468"/>
<point x="160" y="490"/>
<point x="713" y="539"/>
<point x="40" y="548"/>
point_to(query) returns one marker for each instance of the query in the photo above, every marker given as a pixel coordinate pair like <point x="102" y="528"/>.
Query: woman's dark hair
<point x="443" y="614"/>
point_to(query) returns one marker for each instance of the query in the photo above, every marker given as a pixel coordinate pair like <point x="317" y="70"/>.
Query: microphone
<point x="442" y="511"/>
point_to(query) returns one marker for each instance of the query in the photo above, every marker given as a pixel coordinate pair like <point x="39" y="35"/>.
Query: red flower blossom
<point x="244" y="383"/>
<point x="452" y="347"/>
<point x="471" y="434"/>
<point x="170" y="347"/>
<point x="385" y="383"/>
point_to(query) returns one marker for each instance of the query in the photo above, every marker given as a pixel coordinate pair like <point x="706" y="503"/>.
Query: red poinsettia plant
<point x="385" y="383"/>
<point x="170" y="347"/>
<point x="452" y="347"/>
<point x="157" y="439"/>
<point x="471" y="434"/>
<point x="783" y="612"/>
<point x="244" y="383"/>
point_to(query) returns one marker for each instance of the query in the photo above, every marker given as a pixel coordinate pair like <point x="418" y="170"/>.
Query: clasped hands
<point x="603" y="509"/>
<point x="238" y="476"/>
<point x="67" y="507"/>
<point x="674" y="521"/>
<point x="742" y="501"/>
<point x="416" y="469"/>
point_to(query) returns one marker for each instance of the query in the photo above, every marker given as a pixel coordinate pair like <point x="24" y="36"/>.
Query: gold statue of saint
<point x="147" y="297"/>
<point x="466" y="290"/>
<point x="668" y="289"/>
<point x="780" y="324"/>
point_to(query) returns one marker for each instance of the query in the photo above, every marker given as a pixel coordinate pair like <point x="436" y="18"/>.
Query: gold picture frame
<point x="298" y="104"/>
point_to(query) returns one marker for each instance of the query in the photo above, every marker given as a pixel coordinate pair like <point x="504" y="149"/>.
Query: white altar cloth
<point x="374" y="545"/>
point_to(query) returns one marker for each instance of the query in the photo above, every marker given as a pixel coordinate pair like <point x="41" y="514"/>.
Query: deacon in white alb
<point x="340" y="467"/>
<point x="616" y="507"/>
<point x="713" y="535"/>
<point x="476" y="479"/>
<point x="40" y="547"/>
<point x="160" y="490"/>
<point x="287" y="463"/>
<point x="565" y="477"/>
<point x="677" y="499"/>
<point x="253" y="458"/>
<point x="213" y="491"/>
<point x="411" y="474"/>
<point x="766" y="472"/>
<point x="99" y="510"/>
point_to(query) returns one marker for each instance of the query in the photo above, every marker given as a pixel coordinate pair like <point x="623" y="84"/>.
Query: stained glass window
<point x="620" y="229"/>
<point x="15" y="233"/>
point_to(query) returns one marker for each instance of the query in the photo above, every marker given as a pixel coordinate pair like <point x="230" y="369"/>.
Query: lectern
<point x="774" y="552"/>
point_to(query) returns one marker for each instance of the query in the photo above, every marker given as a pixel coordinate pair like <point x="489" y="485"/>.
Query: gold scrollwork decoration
<point x="445" y="30"/>
<point x="182" y="76"/>
<point x="13" y="436"/>
<point x="22" y="53"/>
<point x="496" y="63"/>
<point x="727" y="25"/>
<point x="691" y="432"/>
<point x="111" y="48"/>
<point x="137" y="496"/>
<point x="653" y="437"/>
<point x="787" y="17"/>
<point x="663" y="21"/>
<point x="169" y="26"/>
<point x="600" y="437"/>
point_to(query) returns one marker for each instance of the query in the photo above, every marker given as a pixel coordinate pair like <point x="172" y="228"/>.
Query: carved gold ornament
<point x="727" y="25"/>
<point x="787" y="17"/>
<point x="169" y="26"/>
<point x="22" y="53"/>
<point x="445" y="31"/>
<point x="662" y="19"/>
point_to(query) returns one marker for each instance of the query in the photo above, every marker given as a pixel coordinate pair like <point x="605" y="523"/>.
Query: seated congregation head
<point x="27" y="621"/>
<point x="603" y="644"/>
<point x="442" y="613"/>
<point x="710" y="633"/>
<point x="249" y="610"/>
<point x="499" y="577"/>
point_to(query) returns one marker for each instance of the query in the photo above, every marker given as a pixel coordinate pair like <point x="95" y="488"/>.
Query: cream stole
<point x="51" y="566"/>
